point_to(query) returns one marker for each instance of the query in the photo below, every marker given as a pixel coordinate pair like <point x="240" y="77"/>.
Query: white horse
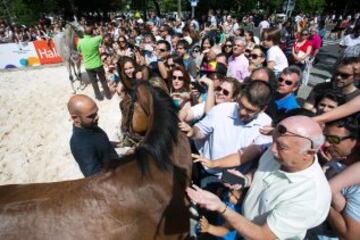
<point x="66" y="47"/>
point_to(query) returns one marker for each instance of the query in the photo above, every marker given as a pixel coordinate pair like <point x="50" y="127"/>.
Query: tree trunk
<point x="157" y="6"/>
<point x="179" y="8"/>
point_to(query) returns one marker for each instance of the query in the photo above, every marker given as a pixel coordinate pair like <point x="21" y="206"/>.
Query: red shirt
<point x="303" y="47"/>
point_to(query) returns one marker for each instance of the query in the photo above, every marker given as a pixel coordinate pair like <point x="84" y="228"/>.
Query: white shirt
<point x="276" y="55"/>
<point x="263" y="25"/>
<point x="198" y="111"/>
<point x="226" y="133"/>
<point x="290" y="203"/>
<point x="349" y="41"/>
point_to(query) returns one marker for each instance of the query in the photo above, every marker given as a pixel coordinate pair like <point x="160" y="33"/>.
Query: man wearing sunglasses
<point x="342" y="80"/>
<point x="162" y="53"/>
<point x="89" y="144"/>
<point x="288" y="192"/>
<point x="285" y="98"/>
<point x="342" y="149"/>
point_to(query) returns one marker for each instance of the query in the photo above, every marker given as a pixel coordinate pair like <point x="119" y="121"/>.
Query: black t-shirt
<point x="91" y="149"/>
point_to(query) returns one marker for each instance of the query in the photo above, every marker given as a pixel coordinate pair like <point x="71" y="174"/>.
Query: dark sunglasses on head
<point x="336" y="139"/>
<point x="281" y="129"/>
<point x="223" y="91"/>
<point x="181" y="78"/>
<point x="343" y="75"/>
<point x="287" y="82"/>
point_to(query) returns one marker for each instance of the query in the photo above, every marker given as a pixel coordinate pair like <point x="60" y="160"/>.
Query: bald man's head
<point x="295" y="143"/>
<point x="83" y="110"/>
<point x="78" y="103"/>
<point x="305" y="126"/>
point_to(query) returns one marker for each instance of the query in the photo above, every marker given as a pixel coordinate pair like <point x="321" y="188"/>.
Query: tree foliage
<point x="310" y="6"/>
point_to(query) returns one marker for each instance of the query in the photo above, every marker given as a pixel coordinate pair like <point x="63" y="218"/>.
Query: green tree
<point x="310" y="6"/>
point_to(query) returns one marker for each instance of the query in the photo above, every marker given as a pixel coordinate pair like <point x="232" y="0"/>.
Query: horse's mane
<point x="162" y="134"/>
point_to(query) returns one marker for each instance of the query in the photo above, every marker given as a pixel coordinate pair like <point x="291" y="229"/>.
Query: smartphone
<point x="232" y="178"/>
<point x="202" y="88"/>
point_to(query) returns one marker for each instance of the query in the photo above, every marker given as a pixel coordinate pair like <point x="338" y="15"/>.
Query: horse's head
<point x="149" y="119"/>
<point x="76" y="27"/>
<point x="136" y="108"/>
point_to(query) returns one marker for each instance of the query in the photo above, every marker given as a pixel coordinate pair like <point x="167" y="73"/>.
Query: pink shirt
<point x="238" y="67"/>
<point x="315" y="43"/>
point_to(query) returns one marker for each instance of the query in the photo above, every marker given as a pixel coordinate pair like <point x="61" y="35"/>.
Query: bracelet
<point x="223" y="211"/>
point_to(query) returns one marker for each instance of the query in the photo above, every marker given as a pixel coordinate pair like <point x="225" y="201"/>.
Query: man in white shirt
<point x="229" y="127"/>
<point x="351" y="40"/>
<point x="288" y="192"/>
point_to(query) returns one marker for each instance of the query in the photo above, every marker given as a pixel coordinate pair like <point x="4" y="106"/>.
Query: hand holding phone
<point x="233" y="179"/>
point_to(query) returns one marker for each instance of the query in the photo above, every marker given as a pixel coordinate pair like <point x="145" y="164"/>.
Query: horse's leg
<point x="71" y="78"/>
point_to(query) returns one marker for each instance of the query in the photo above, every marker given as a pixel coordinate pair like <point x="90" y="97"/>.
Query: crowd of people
<point x="237" y="99"/>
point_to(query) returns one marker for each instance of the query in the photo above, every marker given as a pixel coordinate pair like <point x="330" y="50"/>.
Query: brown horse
<point x="141" y="196"/>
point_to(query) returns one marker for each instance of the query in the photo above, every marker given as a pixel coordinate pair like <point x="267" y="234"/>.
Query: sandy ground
<point x="35" y="127"/>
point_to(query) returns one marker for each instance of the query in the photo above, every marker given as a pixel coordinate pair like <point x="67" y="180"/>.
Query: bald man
<point x="89" y="144"/>
<point x="288" y="191"/>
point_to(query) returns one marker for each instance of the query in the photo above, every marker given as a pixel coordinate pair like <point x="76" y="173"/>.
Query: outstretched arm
<point x="350" y="176"/>
<point x="344" y="110"/>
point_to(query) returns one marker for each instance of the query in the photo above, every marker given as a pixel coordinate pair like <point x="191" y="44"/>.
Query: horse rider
<point x="89" y="47"/>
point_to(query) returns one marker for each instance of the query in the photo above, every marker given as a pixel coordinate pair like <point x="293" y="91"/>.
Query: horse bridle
<point x="128" y="133"/>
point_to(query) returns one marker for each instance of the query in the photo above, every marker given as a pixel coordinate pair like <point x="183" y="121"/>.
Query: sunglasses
<point x="343" y="75"/>
<point x="281" y="129"/>
<point x="254" y="56"/>
<point x="223" y="91"/>
<point x="196" y="51"/>
<point x="181" y="78"/>
<point x="336" y="139"/>
<point x="228" y="46"/>
<point x="287" y="82"/>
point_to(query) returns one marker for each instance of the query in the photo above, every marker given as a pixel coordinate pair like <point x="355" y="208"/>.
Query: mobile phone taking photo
<point x="232" y="179"/>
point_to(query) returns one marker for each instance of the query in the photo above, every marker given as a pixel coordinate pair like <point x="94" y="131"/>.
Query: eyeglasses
<point x="336" y="139"/>
<point x="223" y="91"/>
<point x="281" y="129"/>
<point x="287" y="82"/>
<point x="254" y="56"/>
<point x="181" y="78"/>
<point x="342" y="75"/>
